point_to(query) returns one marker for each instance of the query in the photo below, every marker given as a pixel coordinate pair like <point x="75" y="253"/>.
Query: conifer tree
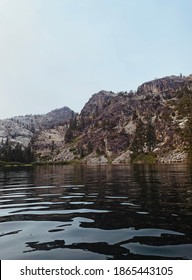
<point x="150" y="136"/>
<point x="139" y="138"/>
<point x="188" y="136"/>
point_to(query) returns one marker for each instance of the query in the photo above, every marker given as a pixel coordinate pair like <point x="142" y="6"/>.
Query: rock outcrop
<point x="44" y="132"/>
<point x="112" y="127"/>
<point x="166" y="86"/>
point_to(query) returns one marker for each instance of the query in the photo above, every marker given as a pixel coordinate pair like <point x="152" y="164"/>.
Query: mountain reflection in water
<point x="96" y="212"/>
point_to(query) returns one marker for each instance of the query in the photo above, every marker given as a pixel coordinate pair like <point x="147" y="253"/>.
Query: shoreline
<point x="48" y="163"/>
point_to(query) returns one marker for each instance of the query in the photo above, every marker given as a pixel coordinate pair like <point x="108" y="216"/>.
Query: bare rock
<point x="93" y="159"/>
<point x="173" y="157"/>
<point x="123" y="158"/>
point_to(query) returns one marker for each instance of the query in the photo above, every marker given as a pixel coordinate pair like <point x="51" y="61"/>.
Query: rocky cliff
<point x="119" y="127"/>
<point x="44" y="133"/>
<point x="153" y="124"/>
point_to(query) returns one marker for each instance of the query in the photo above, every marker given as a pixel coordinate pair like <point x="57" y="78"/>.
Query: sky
<point x="56" y="53"/>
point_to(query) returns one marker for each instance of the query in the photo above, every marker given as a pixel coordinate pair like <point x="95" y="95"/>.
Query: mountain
<point x="27" y="130"/>
<point x="153" y="124"/>
<point x="146" y="125"/>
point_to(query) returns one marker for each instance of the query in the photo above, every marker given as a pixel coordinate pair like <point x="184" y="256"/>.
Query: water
<point x="100" y="212"/>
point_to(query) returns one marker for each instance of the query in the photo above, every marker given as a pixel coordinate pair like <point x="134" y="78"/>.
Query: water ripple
<point x="115" y="212"/>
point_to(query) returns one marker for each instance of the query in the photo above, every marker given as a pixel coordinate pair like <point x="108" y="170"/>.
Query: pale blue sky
<point x="56" y="53"/>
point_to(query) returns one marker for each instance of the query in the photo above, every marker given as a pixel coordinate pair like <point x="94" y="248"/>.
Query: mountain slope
<point x="153" y="124"/>
<point x="114" y="127"/>
<point x="24" y="129"/>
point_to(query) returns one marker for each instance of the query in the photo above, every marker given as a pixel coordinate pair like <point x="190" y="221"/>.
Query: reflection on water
<point x="100" y="212"/>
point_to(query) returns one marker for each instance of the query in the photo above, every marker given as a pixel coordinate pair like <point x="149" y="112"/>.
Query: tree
<point x="184" y="105"/>
<point x="188" y="137"/>
<point x="73" y="121"/>
<point x="68" y="136"/>
<point x="89" y="147"/>
<point x="184" y="108"/>
<point x="52" y="146"/>
<point x="28" y="154"/>
<point x="150" y="136"/>
<point x="5" y="151"/>
<point x="139" y="138"/>
<point x="81" y="152"/>
<point x="17" y="153"/>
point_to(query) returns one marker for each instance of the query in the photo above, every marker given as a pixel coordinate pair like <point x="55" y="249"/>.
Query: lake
<point x="96" y="212"/>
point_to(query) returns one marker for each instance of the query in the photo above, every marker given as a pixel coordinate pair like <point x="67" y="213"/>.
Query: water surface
<point x="96" y="212"/>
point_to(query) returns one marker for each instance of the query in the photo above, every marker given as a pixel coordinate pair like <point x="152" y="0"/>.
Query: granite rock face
<point x="166" y="85"/>
<point x="111" y="127"/>
<point x="44" y="132"/>
<point x="108" y="123"/>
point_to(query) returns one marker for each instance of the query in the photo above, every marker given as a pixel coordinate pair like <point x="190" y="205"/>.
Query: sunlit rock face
<point x="108" y="122"/>
<point x="111" y="126"/>
<point x="43" y="132"/>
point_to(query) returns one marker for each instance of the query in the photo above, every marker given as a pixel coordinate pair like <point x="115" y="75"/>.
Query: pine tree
<point x="150" y="136"/>
<point x="16" y="154"/>
<point x="188" y="137"/>
<point x="139" y="138"/>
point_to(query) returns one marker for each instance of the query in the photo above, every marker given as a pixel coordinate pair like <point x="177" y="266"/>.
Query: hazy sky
<point x="56" y="53"/>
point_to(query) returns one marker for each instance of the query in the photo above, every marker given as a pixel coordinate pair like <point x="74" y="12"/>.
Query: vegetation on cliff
<point x="153" y="124"/>
<point x="184" y="107"/>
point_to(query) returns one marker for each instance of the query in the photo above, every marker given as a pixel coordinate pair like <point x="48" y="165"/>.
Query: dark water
<point x="101" y="212"/>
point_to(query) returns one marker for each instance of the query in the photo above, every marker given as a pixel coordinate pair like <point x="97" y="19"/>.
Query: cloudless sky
<point x="56" y="53"/>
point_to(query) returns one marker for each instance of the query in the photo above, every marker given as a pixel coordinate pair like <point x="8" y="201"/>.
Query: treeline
<point x="144" y="142"/>
<point x="19" y="154"/>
